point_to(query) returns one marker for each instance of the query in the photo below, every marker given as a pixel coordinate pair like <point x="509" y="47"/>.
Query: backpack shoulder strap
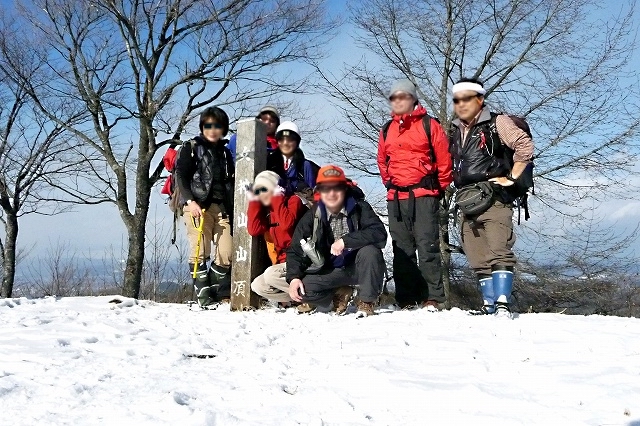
<point x="317" y="219"/>
<point x="385" y="129"/>
<point x="426" y="123"/>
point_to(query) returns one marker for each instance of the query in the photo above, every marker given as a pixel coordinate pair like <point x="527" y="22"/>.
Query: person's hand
<point x="195" y="210"/>
<point x="251" y="195"/>
<point x="293" y="290"/>
<point x="502" y="181"/>
<point x="338" y="247"/>
<point x="278" y="191"/>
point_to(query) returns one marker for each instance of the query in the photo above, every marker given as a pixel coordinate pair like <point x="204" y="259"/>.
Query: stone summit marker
<point x="251" y="159"/>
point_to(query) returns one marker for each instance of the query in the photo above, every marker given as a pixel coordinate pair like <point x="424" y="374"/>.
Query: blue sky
<point x="98" y="231"/>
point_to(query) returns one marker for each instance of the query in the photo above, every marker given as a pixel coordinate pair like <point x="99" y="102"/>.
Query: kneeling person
<point x="336" y="244"/>
<point x="272" y="212"/>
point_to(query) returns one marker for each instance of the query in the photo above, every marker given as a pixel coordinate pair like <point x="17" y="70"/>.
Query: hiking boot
<point x="204" y="294"/>
<point x="503" y="311"/>
<point x="341" y="300"/>
<point x="305" y="308"/>
<point x="431" y="306"/>
<point x="365" y="309"/>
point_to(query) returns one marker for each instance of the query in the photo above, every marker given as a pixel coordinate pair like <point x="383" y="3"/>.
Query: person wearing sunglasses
<point x="273" y="214"/>
<point x="347" y="237"/>
<point x="415" y="166"/>
<point x="270" y="116"/>
<point x="496" y="148"/>
<point x="205" y="174"/>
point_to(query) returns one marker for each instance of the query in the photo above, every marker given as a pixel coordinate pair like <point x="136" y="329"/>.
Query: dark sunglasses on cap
<point x="466" y="99"/>
<point x="210" y="126"/>
<point x="259" y="191"/>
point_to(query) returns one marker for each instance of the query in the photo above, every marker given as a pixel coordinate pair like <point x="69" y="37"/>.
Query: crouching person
<point x="336" y="245"/>
<point x="273" y="214"/>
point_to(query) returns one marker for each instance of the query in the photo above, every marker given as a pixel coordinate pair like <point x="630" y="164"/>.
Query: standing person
<point x="495" y="148"/>
<point x="297" y="174"/>
<point x="205" y="173"/>
<point x="344" y="237"/>
<point x="273" y="212"/>
<point x="415" y="166"/>
<point x="270" y="116"/>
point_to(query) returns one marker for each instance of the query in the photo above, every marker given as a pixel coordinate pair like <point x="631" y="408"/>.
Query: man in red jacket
<point x="416" y="167"/>
<point x="273" y="213"/>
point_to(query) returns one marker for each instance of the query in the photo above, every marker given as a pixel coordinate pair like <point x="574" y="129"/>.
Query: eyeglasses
<point x="259" y="191"/>
<point x="465" y="100"/>
<point x="400" y="98"/>
<point x="327" y="189"/>
<point x="210" y="126"/>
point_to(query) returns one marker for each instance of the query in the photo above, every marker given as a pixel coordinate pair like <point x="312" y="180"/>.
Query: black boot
<point x="203" y="289"/>
<point x="220" y="280"/>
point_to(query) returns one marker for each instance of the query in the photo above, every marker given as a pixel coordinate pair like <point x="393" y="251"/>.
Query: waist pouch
<point x="475" y="199"/>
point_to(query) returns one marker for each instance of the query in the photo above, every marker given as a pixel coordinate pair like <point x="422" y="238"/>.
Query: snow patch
<point x="86" y="361"/>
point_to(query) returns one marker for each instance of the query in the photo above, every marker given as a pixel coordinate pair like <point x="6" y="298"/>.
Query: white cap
<point x="286" y="128"/>
<point x="468" y="86"/>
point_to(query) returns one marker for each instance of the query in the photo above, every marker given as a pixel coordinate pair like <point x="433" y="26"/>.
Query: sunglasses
<point x="327" y="189"/>
<point x="259" y="191"/>
<point x="400" y="98"/>
<point x="466" y="99"/>
<point x="210" y="126"/>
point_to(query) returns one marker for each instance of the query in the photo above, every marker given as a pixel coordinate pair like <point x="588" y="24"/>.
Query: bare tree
<point x="34" y="151"/>
<point x="142" y="69"/>
<point x="555" y="62"/>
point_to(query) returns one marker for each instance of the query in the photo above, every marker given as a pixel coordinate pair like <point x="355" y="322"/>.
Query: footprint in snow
<point x="64" y="342"/>
<point x="181" y="398"/>
<point x="91" y="340"/>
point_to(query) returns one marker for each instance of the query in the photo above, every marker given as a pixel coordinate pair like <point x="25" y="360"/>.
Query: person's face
<point x="212" y="131"/>
<point x="467" y="104"/>
<point x="402" y="103"/>
<point x="270" y="121"/>
<point x="333" y="196"/>
<point x="264" y="195"/>
<point x="287" y="145"/>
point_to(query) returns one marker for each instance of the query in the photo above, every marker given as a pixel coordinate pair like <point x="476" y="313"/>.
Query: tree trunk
<point x="136" y="229"/>
<point x="9" y="264"/>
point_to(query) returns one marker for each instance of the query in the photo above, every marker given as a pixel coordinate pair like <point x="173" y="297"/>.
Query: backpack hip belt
<point x="427" y="182"/>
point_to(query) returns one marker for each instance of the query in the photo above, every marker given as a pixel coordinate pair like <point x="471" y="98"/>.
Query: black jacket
<point x="365" y="226"/>
<point x="206" y="175"/>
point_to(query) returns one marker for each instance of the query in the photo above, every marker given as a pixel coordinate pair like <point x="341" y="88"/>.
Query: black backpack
<point x="524" y="185"/>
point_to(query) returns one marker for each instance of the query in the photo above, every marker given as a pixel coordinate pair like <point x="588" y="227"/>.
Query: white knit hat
<point x="266" y="179"/>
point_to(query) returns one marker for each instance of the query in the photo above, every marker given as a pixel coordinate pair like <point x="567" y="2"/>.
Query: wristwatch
<point x="511" y="178"/>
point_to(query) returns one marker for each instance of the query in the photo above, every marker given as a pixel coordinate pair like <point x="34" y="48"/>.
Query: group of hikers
<point x="325" y="240"/>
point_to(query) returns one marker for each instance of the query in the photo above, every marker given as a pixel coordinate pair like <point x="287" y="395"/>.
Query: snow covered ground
<point x="84" y="361"/>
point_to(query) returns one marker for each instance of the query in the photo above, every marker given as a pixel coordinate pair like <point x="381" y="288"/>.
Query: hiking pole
<point x="200" y="228"/>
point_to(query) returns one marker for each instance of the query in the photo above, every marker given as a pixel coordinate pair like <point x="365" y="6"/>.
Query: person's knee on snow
<point x="272" y="212"/>
<point x="336" y="230"/>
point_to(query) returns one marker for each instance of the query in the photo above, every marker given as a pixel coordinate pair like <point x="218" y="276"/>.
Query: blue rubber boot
<point x="502" y="286"/>
<point x="488" y="294"/>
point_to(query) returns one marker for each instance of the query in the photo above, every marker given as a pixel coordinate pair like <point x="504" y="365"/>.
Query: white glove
<point x="278" y="191"/>
<point x="251" y="195"/>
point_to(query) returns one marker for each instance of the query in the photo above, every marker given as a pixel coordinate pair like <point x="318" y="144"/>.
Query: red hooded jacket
<point x="279" y="220"/>
<point x="404" y="157"/>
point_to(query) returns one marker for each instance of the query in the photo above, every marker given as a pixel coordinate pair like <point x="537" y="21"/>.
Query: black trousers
<point x="367" y="272"/>
<point x="417" y="278"/>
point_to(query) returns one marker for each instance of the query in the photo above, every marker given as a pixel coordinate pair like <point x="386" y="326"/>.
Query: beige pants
<point x="272" y="285"/>
<point x="488" y="241"/>
<point x="216" y="230"/>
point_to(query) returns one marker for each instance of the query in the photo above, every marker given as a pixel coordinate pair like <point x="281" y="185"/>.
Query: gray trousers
<point x="417" y="278"/>
<point x="367" y="272"/>
<point x="488" y="240"/>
